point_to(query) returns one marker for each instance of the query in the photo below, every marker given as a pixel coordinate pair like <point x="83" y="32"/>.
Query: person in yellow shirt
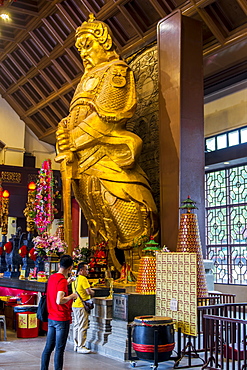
<point x="82" y="287"/>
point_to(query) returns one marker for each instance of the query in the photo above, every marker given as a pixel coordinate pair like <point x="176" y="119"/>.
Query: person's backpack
<point x="42" y="313"/>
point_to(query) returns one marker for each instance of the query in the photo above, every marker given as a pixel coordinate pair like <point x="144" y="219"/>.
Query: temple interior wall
<point x="19" y="139"/>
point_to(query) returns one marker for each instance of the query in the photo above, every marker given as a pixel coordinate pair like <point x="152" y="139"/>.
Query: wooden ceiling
<point x="40" y="66"/>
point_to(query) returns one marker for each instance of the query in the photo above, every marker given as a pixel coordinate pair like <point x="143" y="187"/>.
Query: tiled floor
<point x="24" y="354"/>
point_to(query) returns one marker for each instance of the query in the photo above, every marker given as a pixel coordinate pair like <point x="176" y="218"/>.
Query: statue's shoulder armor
<point x="116" y="95"/>
<point x="109" y="89"/>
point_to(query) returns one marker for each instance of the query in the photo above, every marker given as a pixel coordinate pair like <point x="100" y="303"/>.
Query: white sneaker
<point x="83" y="350"/>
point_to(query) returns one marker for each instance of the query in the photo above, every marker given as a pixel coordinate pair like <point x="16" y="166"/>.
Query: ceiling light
<point x="5" y="17"/>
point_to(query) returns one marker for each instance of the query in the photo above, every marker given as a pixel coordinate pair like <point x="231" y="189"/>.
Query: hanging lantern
<point x="8" y="247"/>
<point x="31" y="186"/>
<point x="32" y="254"/>
<point x="23" y="252"/>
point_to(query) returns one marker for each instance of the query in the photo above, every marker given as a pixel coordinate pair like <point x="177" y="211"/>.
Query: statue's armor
<point x="109" y="185"/>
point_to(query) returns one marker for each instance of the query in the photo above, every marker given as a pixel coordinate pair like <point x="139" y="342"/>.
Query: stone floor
<point x="24" y="354"/>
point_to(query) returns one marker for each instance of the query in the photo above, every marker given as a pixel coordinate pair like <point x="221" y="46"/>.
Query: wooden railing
<point x="214" y="304"/>
<point x="223" y="297"/>
<point x="225" y="341"/>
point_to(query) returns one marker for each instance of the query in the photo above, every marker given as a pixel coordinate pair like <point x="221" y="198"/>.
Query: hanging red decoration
<point x="8" y="247"/>
<point x="33" y="254"/>
<point x="23" y="251"/>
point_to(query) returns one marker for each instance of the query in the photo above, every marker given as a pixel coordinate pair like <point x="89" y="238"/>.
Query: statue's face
<point x="91" y="51"/>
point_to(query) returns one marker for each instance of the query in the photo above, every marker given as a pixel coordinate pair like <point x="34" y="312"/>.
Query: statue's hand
<point x="63" y="138"/>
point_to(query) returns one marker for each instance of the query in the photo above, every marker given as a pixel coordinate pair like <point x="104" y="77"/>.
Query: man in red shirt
<point x="59" y="314"/>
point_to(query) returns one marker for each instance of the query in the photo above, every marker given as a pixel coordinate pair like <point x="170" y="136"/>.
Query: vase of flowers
<point x="49" y="246"/>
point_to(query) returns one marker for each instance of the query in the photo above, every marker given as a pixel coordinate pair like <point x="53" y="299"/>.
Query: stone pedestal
<point x="100" y="324"/>
<point x="117" y="345"/>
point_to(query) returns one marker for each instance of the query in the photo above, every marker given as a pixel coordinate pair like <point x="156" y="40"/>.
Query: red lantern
<point x="5" y="194"/>
<point x="23" y="251"/>
<point x="32" y="254"/>
<point x="8" y="247"/>
<point x="31" y="186"/>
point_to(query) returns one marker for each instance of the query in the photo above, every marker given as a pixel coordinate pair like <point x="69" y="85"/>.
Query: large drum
<point x="143" y="337"/>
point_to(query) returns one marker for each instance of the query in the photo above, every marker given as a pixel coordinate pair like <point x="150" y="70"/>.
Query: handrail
<point x="224" y="318"/>
<point x="224" y="338"/>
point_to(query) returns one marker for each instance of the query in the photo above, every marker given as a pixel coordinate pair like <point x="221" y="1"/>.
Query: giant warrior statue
<point x="98" y="155"/>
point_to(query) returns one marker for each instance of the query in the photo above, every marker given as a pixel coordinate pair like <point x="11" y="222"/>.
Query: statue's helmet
<point x="98" y="29"/>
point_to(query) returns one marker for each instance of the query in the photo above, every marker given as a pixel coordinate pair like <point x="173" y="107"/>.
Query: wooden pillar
<point x="181" y="122"/>
<point x="75" y="223"/>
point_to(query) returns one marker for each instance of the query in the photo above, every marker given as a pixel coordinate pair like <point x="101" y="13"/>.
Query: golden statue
<point x="97" y="154"/>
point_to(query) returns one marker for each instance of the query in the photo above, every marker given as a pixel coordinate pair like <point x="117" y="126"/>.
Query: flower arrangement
<point x="81" y="254"/>
<point x="47" y="244"/>
<point x="44" y="200"/>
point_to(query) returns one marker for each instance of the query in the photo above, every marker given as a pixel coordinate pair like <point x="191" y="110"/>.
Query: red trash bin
<point x="26" y="321"/>
<point x="28" y="298"/>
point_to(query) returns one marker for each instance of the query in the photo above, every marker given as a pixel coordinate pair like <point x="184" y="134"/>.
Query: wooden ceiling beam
<point x="75" y="60"/>
<point x="43" y="114"/>
<point x="190" y="9"/>
<point x="40" y="66"/>
<point x="131" y="20"/>
<point x="158" y="8"/>
<point x="58" y="113"/>
<point x="136" y="42"/>
<point x="62" y="91"/>
<point x="39" y="43"/>
<point x="36" y="88"/>
<point x="211" y="25"/>
<point x="234" y="38"/>
<point x="14" y="25"/>
<point x="7" y="38"/>
<point x="66" y="15"/>
<point x="243" y="5"/>
<point x="86" y="6"/>
<point x="46" y="10"/>
<point x="53" y="31"/>
<point x="29" y="97"/>
<point x="16" y="64"/>
<point x="61" y="71"/>
<point x="167" y="5"/>
<point x="8" y="73"/>
<point x="34" y="63"/>
<point x="49" y="136"/>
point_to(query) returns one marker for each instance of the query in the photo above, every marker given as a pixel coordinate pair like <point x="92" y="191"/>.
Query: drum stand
<point x="189" y="351"/>
<point x="133" y="359"/>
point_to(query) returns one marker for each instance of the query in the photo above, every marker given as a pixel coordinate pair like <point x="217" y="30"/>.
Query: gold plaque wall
<point x="176" y="289"/>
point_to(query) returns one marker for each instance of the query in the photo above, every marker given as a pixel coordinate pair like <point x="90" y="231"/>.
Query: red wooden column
<point x="181" y="122"/>
<point x="75" y="211"/>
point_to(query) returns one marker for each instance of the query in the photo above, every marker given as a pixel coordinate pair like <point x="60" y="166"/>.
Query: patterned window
<point x="226" y="224"/>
